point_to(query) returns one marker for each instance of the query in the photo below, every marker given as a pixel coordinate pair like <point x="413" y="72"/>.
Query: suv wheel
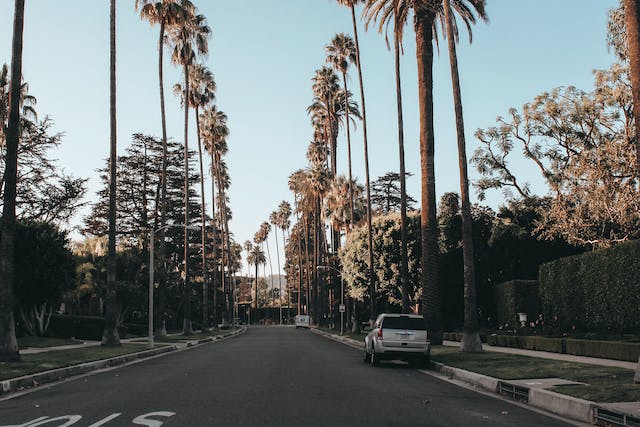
<point x="375" y="360"/>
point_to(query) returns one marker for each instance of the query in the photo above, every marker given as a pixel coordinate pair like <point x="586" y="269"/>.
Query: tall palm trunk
<point x="214" y="231"/>
<point x="372" y="276"/>
<point x="8" y="343"/>
<point x="470" y="337"/>
<point x="347" y="127"/>
<point x="203" y="238"/>
<point x="423" y="22"/>
<point x="279" y="278"/>
<point x="255" y="317"/>
<point x="160" y="327"/>
<point x="632" y="21"/>
<point x="110" y="335"/>
<point x="404" y="262"/>
<point x="230" y="285"/>
<point x="186" y="291"/>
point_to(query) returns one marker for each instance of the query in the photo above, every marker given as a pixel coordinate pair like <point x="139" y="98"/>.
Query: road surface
<point x="268" y="376"/>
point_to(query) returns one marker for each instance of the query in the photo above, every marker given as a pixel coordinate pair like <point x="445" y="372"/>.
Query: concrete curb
<point x="563" y="405"/>
<point x="472" y="378"/>
<point x="555" y="403"/>
<point x="33" y="380"/>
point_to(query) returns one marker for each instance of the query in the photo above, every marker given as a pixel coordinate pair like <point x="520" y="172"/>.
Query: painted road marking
<point x="69" y="420"/>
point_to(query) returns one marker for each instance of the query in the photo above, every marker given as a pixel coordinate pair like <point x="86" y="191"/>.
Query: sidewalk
<point x="554" y="356"/>
<point x="533" y="393"/>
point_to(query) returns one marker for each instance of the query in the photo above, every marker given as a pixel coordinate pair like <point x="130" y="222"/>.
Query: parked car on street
<point x="397" y="336"/>
<point x="303" y="321"/>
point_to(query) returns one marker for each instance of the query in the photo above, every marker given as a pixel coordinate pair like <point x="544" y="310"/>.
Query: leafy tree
<point x="386" y="240"/>
<point x="579" y="141"/>
<point x="45" y="271"/>
<point x="8" y="343"/>
<point x="386" y="194"/>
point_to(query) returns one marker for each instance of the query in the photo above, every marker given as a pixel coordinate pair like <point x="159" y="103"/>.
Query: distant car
<point x="397" y="336"/>
<point x="303" y="321"/>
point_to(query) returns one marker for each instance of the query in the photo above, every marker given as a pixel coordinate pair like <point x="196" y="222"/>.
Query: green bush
<point x="605" y="349"/>
<point x="517" y="296"/>
<point x="595" y="291"/>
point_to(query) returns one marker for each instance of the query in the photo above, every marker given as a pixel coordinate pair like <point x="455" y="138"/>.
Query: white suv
<point x="397" y="336"/>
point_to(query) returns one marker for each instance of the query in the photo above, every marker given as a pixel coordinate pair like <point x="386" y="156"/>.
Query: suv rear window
<point x="413" y="323"/>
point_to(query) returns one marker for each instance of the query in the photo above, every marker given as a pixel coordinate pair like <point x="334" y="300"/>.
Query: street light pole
<point x="328" y="267"/>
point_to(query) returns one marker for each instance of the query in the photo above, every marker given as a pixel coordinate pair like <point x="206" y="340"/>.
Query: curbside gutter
<point x="555" y="403"/>
<point x="34" y="380"/>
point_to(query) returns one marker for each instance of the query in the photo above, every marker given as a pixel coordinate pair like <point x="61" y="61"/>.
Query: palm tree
<point x="372" y="277"/>
<point x="201" y="93"/>
<point x="215" y="133"/>
<point x="340" y="53"/>
<point x="256" y="257"/>
<point x="110" y="335"/>
<point x="188" y="37"/>
<point x="274" y="219"/>
<point x="385" y="12"/>
<point x="470" y="337"/>
<point x="166" y="13"/>
<point x="8" y="343"/>
<point x="632" y="22"/>
<point x="284" y="215"/>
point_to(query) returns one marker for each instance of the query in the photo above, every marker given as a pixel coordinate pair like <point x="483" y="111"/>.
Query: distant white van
<point x="303" y="321"/>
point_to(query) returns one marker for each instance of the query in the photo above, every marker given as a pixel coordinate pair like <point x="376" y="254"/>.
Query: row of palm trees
<point x="186" y="32"/>
<point x="328" y="113"/>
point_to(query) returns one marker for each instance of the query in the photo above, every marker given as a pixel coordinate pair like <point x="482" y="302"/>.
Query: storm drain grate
<point x="610" y="418"/>
<point x="515" y="392"/>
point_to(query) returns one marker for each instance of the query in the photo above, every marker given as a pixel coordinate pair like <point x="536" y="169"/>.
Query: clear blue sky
<point x="264" y="53"/>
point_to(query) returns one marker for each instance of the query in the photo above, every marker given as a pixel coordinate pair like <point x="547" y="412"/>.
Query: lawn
<point x="45" y="361"/>
<point x="604" y="384"/>
<point x="358" y="336"/>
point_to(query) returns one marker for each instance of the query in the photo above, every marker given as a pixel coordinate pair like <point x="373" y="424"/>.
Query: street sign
<point x="342" y="309"/>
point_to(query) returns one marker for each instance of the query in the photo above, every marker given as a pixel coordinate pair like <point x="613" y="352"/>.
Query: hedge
<point x="605" y="349"/>
<point x="595" y="291"/>
<point x="517" y="296"/>
<point x="616" y="350"/>
<point x="80" y="327"/>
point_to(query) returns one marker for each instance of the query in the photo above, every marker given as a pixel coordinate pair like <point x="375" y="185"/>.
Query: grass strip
<point x="603" y="384"/>
<point x="32" y="363"/>
<point x="358" y="336"/>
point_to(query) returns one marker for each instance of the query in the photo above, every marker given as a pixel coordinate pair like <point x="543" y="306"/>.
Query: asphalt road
<point x="268" y="376"/>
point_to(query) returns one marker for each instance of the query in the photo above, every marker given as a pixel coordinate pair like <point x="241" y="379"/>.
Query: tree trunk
<point x="279" y="276"/>
<point x="347" y="127"/>
<point x="372" y="276"/>
<point x="110" y="335"/>
<point x="470" y="336"/>
<point x="8" y="343"/>
<point x="214" y="275"/>
<point x="203" y="237"/>
<point x="632" y="21"/>
<point x="160" y="329"/>
<point x="404" y="262"/>
<point x="423" y="19"/>
<point x="186" y="291"/>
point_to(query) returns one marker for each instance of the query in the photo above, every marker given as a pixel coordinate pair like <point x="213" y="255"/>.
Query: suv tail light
<point x="380" y="333"/>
